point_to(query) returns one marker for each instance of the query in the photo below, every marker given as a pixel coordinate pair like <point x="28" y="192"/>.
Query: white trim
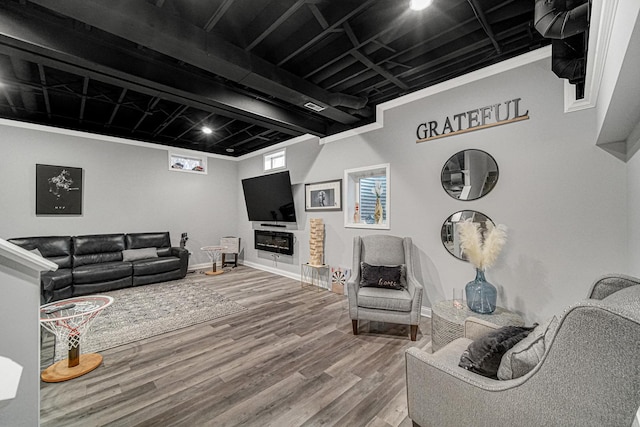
<point x="25" y="258"/>
<point x="203" y="266"/>
<point x="601" y="25"/>
<point x="492" y="70"/>
<point x="425" y="311"/>
<point x="290" y="275"/>
<point x="106" y="138"/>
<point x="288" y="142"/>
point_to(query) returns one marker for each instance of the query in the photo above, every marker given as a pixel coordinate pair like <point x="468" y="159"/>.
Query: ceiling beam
<point x="116" y="107"/>
<point x="29" y="38"/>
<point x="192" y="127"/>
<point x="423" y="47"/>
<point x="145" y="24"/>
<point x="83" y="99"/>
<point x="177" y="113"/>
<point x="336" y="26"/>
<point x="217" y="15"/>
<point x="146" y="113"/>
<point x="45" y="90"/>
<point x="5" y="92"/>
<point x="384" y="73"/>
<point x="318" y="15"/>
<point x="282" y="17"/>
<point x="477" y="10"/>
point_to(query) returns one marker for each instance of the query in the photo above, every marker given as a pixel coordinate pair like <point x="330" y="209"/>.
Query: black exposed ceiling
<point x="158" y="70"/>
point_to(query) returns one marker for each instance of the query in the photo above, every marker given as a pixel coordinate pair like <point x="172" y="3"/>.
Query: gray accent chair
<point x="384" y="305"/>
<point x="588" y="375"/>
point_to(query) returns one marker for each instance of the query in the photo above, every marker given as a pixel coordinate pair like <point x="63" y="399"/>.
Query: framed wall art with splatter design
<point x="58" y="190"/>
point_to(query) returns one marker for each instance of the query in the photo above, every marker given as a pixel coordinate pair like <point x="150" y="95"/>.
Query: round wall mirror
<point x="449" y="232"/>
<point x="469" y="175"/>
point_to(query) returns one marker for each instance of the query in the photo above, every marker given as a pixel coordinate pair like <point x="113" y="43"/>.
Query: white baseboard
<point x="425" y="311"/>
<point x="290" y="275"/>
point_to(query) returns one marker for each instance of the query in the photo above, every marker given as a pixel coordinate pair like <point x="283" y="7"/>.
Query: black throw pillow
<point x="380" y="276"/>
<point x="484" y="354"/>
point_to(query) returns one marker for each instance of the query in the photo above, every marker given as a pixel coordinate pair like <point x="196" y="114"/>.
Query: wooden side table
<point x="447" y="321"/>
<point x="316" y="275"/>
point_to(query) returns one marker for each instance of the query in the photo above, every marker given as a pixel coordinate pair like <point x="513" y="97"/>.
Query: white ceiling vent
<point x="314" y="107"/>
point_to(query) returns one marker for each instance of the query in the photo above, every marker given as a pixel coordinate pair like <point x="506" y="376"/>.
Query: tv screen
<point x="269" y="198"/>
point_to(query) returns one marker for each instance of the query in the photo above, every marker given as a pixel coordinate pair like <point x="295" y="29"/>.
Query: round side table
<point x="447" y="321"/>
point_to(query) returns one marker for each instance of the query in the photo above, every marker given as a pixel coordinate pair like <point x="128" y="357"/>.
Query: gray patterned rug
<point x="145" y="311"/>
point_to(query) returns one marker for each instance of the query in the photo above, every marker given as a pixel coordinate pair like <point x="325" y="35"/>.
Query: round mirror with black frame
<point x="449" y="231"/>
<point x="469" y="174"/>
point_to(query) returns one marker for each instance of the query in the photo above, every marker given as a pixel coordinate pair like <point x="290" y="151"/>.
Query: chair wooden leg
<point x="414" y="332"/>
<point x="354" y="325"/>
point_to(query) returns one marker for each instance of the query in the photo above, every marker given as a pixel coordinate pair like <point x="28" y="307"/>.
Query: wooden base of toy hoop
<point x="60" y="371"/>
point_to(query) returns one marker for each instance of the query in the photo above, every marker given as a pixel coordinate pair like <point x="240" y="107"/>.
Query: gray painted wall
<point x="563" y="198"/>
<point x="127" y="188"/>
<point x="19" y="306"/>
<point x="633" y="200"/>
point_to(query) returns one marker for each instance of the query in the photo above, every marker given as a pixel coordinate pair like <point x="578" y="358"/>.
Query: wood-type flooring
<point x="289" y="360"/>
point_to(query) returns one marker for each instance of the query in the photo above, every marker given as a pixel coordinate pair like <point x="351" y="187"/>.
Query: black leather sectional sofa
<point x="105" y="262"/>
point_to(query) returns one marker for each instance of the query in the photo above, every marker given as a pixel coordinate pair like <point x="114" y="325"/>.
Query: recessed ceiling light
<point x="420" y="4"/>
<point x="230" y="150"/>
<point x="206" y="130"/>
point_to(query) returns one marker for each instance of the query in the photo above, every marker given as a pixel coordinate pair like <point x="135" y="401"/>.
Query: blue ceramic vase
<point x="481" y="295"/>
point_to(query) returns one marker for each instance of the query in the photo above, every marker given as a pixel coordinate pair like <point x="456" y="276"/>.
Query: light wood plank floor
<point x="290" y="360"/>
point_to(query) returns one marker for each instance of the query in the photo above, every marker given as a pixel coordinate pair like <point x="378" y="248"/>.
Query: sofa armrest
<point x="183" y="254"/>
<point x="607" y="285"/>
<point x="475" y="328"/>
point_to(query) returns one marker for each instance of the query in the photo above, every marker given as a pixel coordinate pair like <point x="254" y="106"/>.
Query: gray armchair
<point x="384" y="305"/>
<point x="588" y="374"/>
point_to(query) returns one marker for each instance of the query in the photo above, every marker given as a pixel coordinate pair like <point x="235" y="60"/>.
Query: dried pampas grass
<point x="481" y="251"/>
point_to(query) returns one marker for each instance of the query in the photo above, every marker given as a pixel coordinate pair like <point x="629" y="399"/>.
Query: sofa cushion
<point x="484" y="354"/>
<point x="54" y="248"/>
<point x="384" y="299"/>
<point x="36" y="252"/>
<point x="155" y="266"/>
<point x="526" y="354"/>
<point x="137" y="254"/>
<point x="102" y="272"/>
<point x="161" y="241"/>
<point x="381" y="276"/>
<point x="98" y="248"/>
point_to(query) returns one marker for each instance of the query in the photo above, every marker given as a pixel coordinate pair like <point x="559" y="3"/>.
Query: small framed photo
<point x="58" y="190"/>
<point x="323" y="196"/>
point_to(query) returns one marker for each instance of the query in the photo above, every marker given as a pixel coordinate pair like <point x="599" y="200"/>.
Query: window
<point x="275" y="160"/>
<point x="366" y="188"/>
<point x="184" y="163"/>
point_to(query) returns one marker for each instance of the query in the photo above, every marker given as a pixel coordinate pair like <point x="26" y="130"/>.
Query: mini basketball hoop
<point x="69" y="320"/>
<point x="214" y="253"/>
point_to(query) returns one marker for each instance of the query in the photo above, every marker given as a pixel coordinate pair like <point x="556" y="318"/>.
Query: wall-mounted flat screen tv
<point x="269" y="198"/>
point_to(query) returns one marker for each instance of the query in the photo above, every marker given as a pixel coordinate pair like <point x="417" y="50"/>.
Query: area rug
<point x="145" y="311"/>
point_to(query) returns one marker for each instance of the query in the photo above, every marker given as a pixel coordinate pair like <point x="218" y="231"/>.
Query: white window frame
<point x="352" y="194"/>
<point x="175" y="157"/>
<point x="269" y="158"/>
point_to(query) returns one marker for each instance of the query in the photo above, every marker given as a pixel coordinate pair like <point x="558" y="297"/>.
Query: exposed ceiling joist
<point x="127" y="70"/>
<point x="477" y="10"/>
<point x="145" y="24"/>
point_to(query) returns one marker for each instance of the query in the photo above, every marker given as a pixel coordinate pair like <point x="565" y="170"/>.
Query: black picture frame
<point x="58" y="190"/>
<point x="323" y="196"/>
